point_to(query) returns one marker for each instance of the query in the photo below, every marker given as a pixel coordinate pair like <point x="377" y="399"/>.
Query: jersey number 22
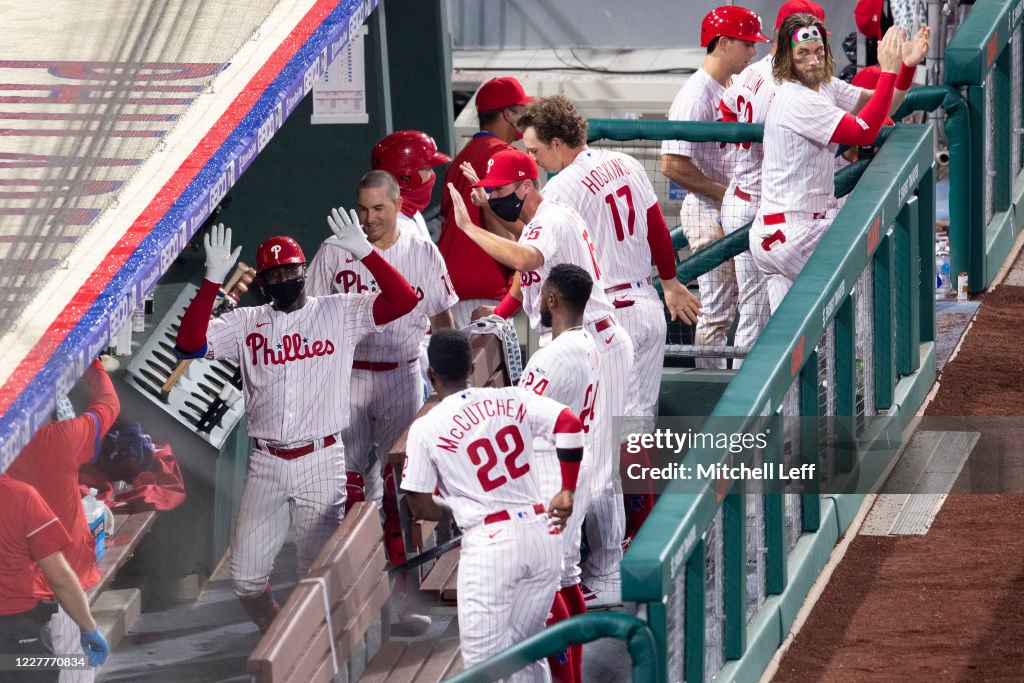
<point x="484" y="456"/>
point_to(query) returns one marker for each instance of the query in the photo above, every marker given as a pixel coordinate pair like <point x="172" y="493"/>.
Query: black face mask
<point x="286" y="293"/>
<point x="507" y="208"/>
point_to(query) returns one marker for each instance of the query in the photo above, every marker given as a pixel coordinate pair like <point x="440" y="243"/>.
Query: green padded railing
<point x="579" y="629"/>
<point x="888" y="221"/>
<point x="980" y="59"/>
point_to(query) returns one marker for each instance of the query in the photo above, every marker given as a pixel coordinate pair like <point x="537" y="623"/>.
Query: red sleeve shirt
<point x="50" y="463"/>
<point x="474" y="274"/>
<point x="29" y="531"/>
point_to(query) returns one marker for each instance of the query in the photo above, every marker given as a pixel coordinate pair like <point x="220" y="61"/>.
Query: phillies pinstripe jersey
<point x="334" y="270"/>
<point x="566" y="370"/>
<point x="560" y="234"/>
<point x="295" y="366"/>
<point x="748" y="100"/>
<point x="698" y="100"/>
<point x="612" y="192"/>
<point x="797" y="171"/>
<point x="414" y="225"/>
<point x="476" y="447"/>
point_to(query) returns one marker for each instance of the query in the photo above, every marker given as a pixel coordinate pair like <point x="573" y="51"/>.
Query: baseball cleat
<point x="600" y="599"/>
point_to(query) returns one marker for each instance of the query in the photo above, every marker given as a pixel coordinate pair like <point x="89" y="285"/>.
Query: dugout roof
<point x="122" y="126"/>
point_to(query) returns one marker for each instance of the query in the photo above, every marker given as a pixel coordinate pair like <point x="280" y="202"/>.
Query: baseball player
<point x="50" y="463"/>
<point x="555" y="233"/>
<point x="475" y="449"/>
<point x="613" y="194"/>
<point x="296" y="356"/>
<point x="729" y="34"/>
<point x="803" y="127"/>
<point x="410" y="156"/>
<point x="386" y="389"/>
<point x="567" y="371"/>
<point x="746" y="101"/>
<point x="480" y="280"/>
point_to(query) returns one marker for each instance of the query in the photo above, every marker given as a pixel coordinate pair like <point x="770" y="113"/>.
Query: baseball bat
<point x="426" y="556"/>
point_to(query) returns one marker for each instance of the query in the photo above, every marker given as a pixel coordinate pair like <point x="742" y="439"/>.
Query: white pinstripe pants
<point x="67" y="640"/>
<point x="382" y="406"/>
<point x="307" y="493"/>
<point x="549" y="481"/>
<point x="647" y="327"/>
<point x="605" y="523"/>
<point x="753" y="296"/>
<point x="718" y="291"/>
<point x="782" y="263"/>
<point x="508" y="576"/>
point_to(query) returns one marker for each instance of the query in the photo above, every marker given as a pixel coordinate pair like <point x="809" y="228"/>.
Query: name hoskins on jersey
<point x="612" y="193"/>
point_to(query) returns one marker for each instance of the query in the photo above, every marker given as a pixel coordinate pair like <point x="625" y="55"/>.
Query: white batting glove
<point x="349" y="233"/>
<point x="219" y="257"/>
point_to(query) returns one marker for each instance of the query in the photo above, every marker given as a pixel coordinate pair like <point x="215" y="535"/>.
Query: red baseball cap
<point x="499" y="93"/>
<point x="867" y="77"/>
<point x="799" y="7"/>
<point x="508" y="166"/>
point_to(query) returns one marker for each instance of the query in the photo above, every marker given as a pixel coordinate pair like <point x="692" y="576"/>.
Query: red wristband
<point x="508" y="307"/>
<point x="905" y="79"/>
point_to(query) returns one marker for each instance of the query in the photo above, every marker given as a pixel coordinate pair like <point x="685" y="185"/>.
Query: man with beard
<point x="556" y="233"/>
<point x="295" y="355"/>
<point x="746" y="101"/>
<point x="802" y="129"/>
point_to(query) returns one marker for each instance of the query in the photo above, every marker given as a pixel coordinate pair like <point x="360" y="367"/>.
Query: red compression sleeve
<point x="508" y="307"/>
<point x="192" y="333"/>
<point x="863" y="129"/>
<point x="103" y="401"/>
<point x="396" y="296"/>
<point x="905" y="78"/>
<point x="569" y="446"/>
<point x="660" y="243"/>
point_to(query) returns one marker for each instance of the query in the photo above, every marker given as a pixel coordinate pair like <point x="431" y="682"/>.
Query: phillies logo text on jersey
<point x="292" y="347"/>
<point x="604" y="174"/>
<point x="350" y="281"/>
<point x="528" y="278"/>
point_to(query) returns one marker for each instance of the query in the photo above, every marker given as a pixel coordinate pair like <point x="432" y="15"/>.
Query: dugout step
<point x="115" y="612"/>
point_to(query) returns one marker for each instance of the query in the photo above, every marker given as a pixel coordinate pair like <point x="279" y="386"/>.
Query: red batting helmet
<point x="278" y="251"/>
<point x="732" y="22"/>
<point x="404" y="153"/>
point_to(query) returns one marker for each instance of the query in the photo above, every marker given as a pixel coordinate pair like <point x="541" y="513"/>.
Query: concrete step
<point x="115" y="612"/>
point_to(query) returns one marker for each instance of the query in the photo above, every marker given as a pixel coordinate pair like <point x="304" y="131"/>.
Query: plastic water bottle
<point x="942" y="277"/>
<point x="93" y="509"/>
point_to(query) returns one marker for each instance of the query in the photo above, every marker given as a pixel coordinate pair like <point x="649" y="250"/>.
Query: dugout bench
<point x="347" y="595"/>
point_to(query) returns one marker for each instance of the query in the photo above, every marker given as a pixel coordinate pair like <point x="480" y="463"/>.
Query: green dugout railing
<point x="985" y="59"/>
<point x="883" y="236"/>
<point x="580" y="629"/>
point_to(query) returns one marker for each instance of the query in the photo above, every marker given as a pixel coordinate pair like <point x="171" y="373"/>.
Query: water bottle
<point x="943" y="282"/>
<point x="94" y="515"/>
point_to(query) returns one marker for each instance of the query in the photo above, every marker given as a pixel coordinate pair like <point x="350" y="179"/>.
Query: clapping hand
<point x="349" y="232"/>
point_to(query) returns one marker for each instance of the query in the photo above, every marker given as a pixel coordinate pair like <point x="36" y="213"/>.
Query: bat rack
<point x="207" y="398"/>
